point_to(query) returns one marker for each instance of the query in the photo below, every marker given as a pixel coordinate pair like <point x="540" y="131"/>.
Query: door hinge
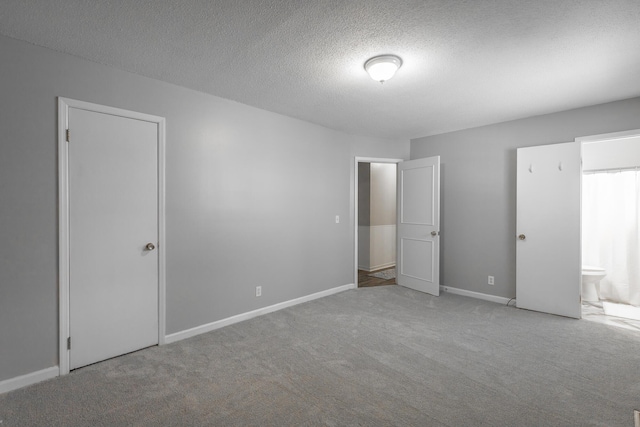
<point x="68" y="135"/>
<point x="69" y="343"/>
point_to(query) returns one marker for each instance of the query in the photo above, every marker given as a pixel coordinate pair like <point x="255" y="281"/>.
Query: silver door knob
<point x="434" y="233"/>
<point x="150" y="246"/>
<point x="522" y="237"/>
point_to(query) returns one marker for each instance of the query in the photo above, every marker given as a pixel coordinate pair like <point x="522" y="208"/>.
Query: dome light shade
<point x="382" y="68"/>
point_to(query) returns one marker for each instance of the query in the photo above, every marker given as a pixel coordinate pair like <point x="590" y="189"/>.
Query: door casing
<point x="63" y="217"/>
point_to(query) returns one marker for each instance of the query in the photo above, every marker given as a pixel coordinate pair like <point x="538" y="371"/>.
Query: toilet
<point x="591" y="277"/>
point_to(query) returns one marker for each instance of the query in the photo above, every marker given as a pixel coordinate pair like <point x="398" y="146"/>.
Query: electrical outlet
<point x="258" y="291"/>
<point x="491" y="280"/>
<point x="337" y="219"/>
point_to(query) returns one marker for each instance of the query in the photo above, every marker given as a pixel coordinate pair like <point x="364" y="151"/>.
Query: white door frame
<point x="633" y="133"/>
<point x="63" y="217"/>
<point x="607" y="136"/>
<point x="355" y="204"/>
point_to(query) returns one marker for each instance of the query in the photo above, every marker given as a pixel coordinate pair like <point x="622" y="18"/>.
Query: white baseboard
<point x="251" y="314"/>
<point x="382" y="266"/>
<point x="377" y="267"/>
<point x="28" y="379"/>
<point x="472" y="294"/>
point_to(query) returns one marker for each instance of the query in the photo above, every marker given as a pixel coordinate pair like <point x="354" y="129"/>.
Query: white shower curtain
<point x="610" y="232"/>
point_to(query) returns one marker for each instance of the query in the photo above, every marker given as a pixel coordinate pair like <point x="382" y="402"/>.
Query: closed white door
<point x="418" y="227"/>
<point x="113" y="231"/>
<point x="548" y="248"/>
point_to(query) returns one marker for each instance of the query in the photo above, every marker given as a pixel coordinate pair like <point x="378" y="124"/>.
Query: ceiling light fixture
<point x="382" y="68"/>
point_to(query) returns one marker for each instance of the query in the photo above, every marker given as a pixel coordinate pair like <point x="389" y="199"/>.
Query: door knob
<point x="522" y="237"/>
<point x="150" y="246"/>
<point x="434" y="233"/>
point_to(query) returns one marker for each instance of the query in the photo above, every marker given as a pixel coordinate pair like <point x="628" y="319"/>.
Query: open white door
<point x="418" y="247"/>
<point x="548" y="249"/>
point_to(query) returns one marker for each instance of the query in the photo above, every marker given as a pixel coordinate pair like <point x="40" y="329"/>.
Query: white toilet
<point x="591" y="277"/>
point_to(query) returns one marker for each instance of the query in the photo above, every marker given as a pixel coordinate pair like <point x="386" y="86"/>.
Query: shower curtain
<point x="610" y="232"/>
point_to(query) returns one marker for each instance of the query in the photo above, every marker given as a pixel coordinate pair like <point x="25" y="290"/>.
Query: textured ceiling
<point x="466" y="63"/>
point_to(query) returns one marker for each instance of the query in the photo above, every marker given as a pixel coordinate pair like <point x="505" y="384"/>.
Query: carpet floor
<point x="381" y="356"/>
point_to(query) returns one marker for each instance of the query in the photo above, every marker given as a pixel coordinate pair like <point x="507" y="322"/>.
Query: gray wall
<point x="251" y="199"/>
<point x="383" y="194"/>
<point x="364" y="193"/>
<point x="478" y="188"/>
<point x="364" y="215"/>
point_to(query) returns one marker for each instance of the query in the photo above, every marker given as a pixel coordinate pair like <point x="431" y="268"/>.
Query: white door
<point x="113" y="216"/>
<point x="418" y="240"/>
<point x="548" y="248"/>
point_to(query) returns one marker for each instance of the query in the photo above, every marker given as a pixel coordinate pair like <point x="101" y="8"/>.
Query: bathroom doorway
<point x="376" y="222"/>
<point x="611" y="229"/>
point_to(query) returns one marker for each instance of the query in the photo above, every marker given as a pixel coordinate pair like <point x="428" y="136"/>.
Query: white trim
<point x="477" y="295"/>
<point x="162" y="240"/>
<point x="355" y="205"/>
<point x="63" y="237"/>
<point x="63" y="217"/>
<point x="606" y="136"/>
<point x="28" y="379"/>
<point x="251" y="314"/>
<point x="375" y="268"/>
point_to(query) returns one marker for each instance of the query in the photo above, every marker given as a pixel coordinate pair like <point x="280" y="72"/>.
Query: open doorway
<point x="611" y="229"/>
<point x="375" y="222"/>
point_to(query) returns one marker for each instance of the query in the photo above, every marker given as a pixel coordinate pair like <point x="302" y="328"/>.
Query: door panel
<point x="113" y="214"/>
<point x="548" y="258"/>
<point x="418" y="225"/>
<point x="415" y="254"/>
<point x="418" y="209"/>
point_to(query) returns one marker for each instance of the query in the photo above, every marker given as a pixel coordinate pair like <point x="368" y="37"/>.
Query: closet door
<point x="113" y="234"/>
